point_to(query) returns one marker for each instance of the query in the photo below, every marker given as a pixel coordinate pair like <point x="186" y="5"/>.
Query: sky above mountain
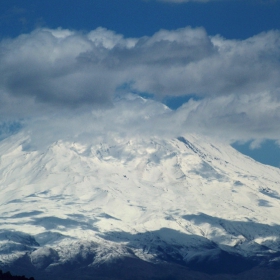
<point x="215" y="64"/>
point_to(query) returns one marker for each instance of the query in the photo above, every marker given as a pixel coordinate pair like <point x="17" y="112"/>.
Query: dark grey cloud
<point x="44" y="65"/>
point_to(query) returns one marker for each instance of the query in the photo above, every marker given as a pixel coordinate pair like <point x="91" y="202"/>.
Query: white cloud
<point x="62" y="72"/>
<point x="131" y="116"/>
<point x="234" y="118"/>
<point x="226" y="118"/>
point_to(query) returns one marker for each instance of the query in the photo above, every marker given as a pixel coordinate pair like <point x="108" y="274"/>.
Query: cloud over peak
<point x="237" y="81"/>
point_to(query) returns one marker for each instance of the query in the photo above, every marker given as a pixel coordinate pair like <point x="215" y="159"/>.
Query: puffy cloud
<point x="62" y="66"/>
<point x="44" y="65"/>
<point x="62" y="73"/>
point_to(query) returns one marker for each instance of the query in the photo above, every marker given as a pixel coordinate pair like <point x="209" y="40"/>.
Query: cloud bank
<point x="62" y="73"/>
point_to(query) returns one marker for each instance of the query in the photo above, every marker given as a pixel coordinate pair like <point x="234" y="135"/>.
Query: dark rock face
<point x="207" y="261"/>
<point x="202" y="259"/>
<point x="222" y="266"/>
<point x="43" y="257"/>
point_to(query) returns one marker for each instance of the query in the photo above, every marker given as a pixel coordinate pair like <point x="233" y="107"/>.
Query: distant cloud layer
<point x="237" y="81"/>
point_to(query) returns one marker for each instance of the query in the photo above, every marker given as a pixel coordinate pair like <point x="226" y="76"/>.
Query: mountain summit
<point x="136" y="209"/>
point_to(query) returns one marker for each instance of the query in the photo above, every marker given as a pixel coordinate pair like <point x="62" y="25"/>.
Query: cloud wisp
<point x="50" y="72"/>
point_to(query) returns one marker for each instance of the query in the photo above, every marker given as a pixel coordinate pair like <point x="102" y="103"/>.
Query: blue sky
<point x="134" y="18"/>
<point x="219" y="58"/>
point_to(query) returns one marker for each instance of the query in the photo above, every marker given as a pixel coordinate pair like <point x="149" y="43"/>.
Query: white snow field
<point x="157" y="199"/>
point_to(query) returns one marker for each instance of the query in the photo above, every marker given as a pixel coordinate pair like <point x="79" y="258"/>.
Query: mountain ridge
<point x="185" y="201"/>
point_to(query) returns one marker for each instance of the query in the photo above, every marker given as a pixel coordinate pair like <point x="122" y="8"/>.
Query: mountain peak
<point x="182" y="200"/>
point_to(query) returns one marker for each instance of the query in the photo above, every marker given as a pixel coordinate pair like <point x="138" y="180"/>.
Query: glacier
<point x="189" y="202"/>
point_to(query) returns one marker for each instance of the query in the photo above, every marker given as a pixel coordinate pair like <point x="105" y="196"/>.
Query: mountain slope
<point x="187" y="200"/>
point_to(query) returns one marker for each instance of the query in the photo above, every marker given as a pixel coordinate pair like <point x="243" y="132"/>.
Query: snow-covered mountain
<point x="187" y="202"/>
